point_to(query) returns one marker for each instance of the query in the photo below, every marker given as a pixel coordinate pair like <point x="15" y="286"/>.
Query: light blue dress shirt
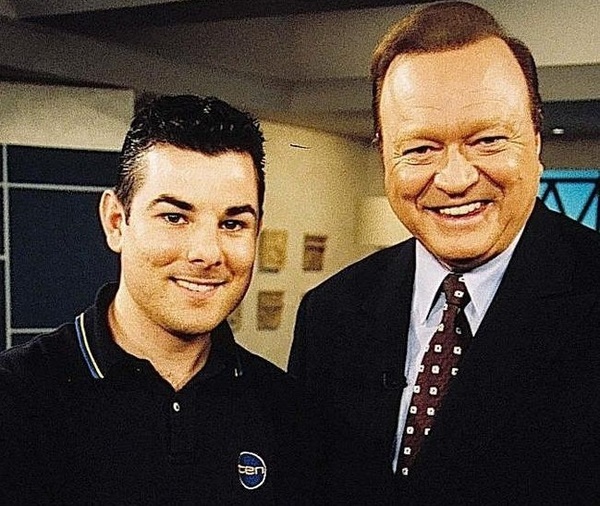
<point x="426" y="312"/>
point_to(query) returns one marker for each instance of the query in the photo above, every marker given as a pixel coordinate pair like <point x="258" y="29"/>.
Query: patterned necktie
<point x="439" y="366"/>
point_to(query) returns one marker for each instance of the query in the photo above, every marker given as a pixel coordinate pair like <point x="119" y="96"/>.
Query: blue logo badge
<point x="252" y="470"/>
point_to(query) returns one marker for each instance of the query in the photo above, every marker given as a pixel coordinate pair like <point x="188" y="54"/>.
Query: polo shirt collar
<point x="103" y="356"/>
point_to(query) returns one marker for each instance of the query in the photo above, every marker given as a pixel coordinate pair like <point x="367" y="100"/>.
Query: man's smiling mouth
<point x="461" y="210"/>
<point x="201" y="287"/>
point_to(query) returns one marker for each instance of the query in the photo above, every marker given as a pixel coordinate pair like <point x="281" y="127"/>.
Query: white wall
<point x="338" y="44"/>
<point x="315" y="189"/>
<point x="581" y="154"/>
<point x="64" y="117"/>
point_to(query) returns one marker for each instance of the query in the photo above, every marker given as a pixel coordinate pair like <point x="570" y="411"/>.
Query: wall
<point x="65" y="117"/>
<point x="48" y="214"/>
<point x="315" y="188"/>
<point x="582" y="154"/>
<point x="305" y="65"/>
<point x="314" y="185"/>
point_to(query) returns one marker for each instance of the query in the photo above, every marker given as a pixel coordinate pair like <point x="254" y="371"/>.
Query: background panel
<point x="58" y="256"/>
<point x="2" y="220"/>
<point x="62" y="166"/>
<point x="21" y="338"/>
<point x="2" y="309"/>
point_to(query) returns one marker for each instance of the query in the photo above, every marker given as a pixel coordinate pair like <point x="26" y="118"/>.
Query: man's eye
<point x="233" y="225"/>
<point x="423" y="154"/>
<point x="490" y="140"/>
<point x="419" y="150"/>
<point x="174" y="218"/>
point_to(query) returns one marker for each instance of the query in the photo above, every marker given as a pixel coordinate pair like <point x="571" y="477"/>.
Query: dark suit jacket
<point x="521" y="422"/>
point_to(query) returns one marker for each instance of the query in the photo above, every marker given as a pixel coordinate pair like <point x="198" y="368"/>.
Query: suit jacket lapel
<point x="382" y="322"/>
<point x="386" y="309"/>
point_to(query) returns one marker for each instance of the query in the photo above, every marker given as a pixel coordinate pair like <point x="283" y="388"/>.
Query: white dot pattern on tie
<point x="440" y="364"/>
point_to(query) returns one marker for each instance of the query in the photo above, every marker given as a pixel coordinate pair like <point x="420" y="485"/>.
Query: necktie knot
<point x="455" y="290"/>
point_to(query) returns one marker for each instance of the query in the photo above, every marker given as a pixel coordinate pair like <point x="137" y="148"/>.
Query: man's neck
<point x="175" y="359"/>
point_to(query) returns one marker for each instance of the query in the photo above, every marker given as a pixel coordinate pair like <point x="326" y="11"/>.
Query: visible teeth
<point x="461" y="210"/>
<point x="196" y="287"/>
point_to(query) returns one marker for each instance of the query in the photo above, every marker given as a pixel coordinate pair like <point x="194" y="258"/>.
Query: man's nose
<point x="204" y="245"/>
<point x="457" y="174"/>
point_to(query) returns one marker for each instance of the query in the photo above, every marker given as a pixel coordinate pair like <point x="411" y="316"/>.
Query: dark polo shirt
<point x="84" y="422"/>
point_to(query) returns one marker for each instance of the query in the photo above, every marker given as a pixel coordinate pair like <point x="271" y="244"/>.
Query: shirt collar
<point x="429" y="274"/>
<point x="482" y="282"/>
<point x="102" y="355"/>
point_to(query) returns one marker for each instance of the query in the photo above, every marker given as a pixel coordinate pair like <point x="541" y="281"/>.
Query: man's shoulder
<point x="360" y="277"/>
<point x="258" y="367"/>
<point x="582" y="238"/>
<point x="581" y="244"/>
<point x="40" y="355"/>
<point x="264" y="380"/>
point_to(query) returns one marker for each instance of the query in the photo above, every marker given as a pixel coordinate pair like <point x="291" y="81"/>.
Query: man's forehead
<point x="482" y="53"/>
<point x="193" y="177"/>
<point x="484" y="69"/>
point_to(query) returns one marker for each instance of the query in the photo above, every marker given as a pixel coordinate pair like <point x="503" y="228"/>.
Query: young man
<point x="463" y="365"/>
<point x="145" y="398"/>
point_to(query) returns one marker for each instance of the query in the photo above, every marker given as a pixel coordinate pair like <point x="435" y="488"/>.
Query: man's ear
<point x="538" y="147"/>
<point x="112" y="217"/>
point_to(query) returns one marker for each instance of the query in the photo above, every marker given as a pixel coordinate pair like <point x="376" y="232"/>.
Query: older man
<point x="463" y="365"/>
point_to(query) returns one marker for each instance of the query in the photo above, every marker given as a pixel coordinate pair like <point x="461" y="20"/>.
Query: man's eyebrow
<point x="186" y="206"/>
<point x="181" y="204"/>
<point x="236" y="210"/>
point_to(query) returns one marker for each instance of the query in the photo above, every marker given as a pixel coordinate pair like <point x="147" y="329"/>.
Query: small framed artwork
<point x="314" y="252"/>
<point x="272" y="250"/>
<point x="269" y="309"/>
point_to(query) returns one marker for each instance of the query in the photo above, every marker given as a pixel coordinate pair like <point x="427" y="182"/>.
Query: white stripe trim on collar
<point x="84" y="346"/>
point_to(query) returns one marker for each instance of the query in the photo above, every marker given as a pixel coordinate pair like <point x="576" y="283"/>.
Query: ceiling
<point x="298" y="61"/>
<point x="87" y="16"/>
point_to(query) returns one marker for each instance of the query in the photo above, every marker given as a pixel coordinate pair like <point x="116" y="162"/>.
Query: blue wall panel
<point x="57" y="254"/>
<point x="58" y="258"/>
<point x="61" y="166"/>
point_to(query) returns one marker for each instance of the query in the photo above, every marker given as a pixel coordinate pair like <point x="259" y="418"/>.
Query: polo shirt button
<point x="176" y="407"/>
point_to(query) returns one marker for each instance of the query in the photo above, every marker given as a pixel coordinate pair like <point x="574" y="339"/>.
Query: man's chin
<point x="192" y="333"/>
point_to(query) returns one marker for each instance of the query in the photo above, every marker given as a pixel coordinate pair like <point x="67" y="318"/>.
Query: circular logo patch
<point x="252" y="470"/>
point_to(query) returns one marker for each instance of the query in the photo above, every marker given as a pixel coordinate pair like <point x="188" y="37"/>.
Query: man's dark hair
<point x="204" y="124"/>
<point x="444" y="27"/>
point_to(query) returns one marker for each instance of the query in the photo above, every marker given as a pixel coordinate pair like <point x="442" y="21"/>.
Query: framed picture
<point x="269" y="309"/>
<point x="314" y="252"/>
<point x="272" y="250"/>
